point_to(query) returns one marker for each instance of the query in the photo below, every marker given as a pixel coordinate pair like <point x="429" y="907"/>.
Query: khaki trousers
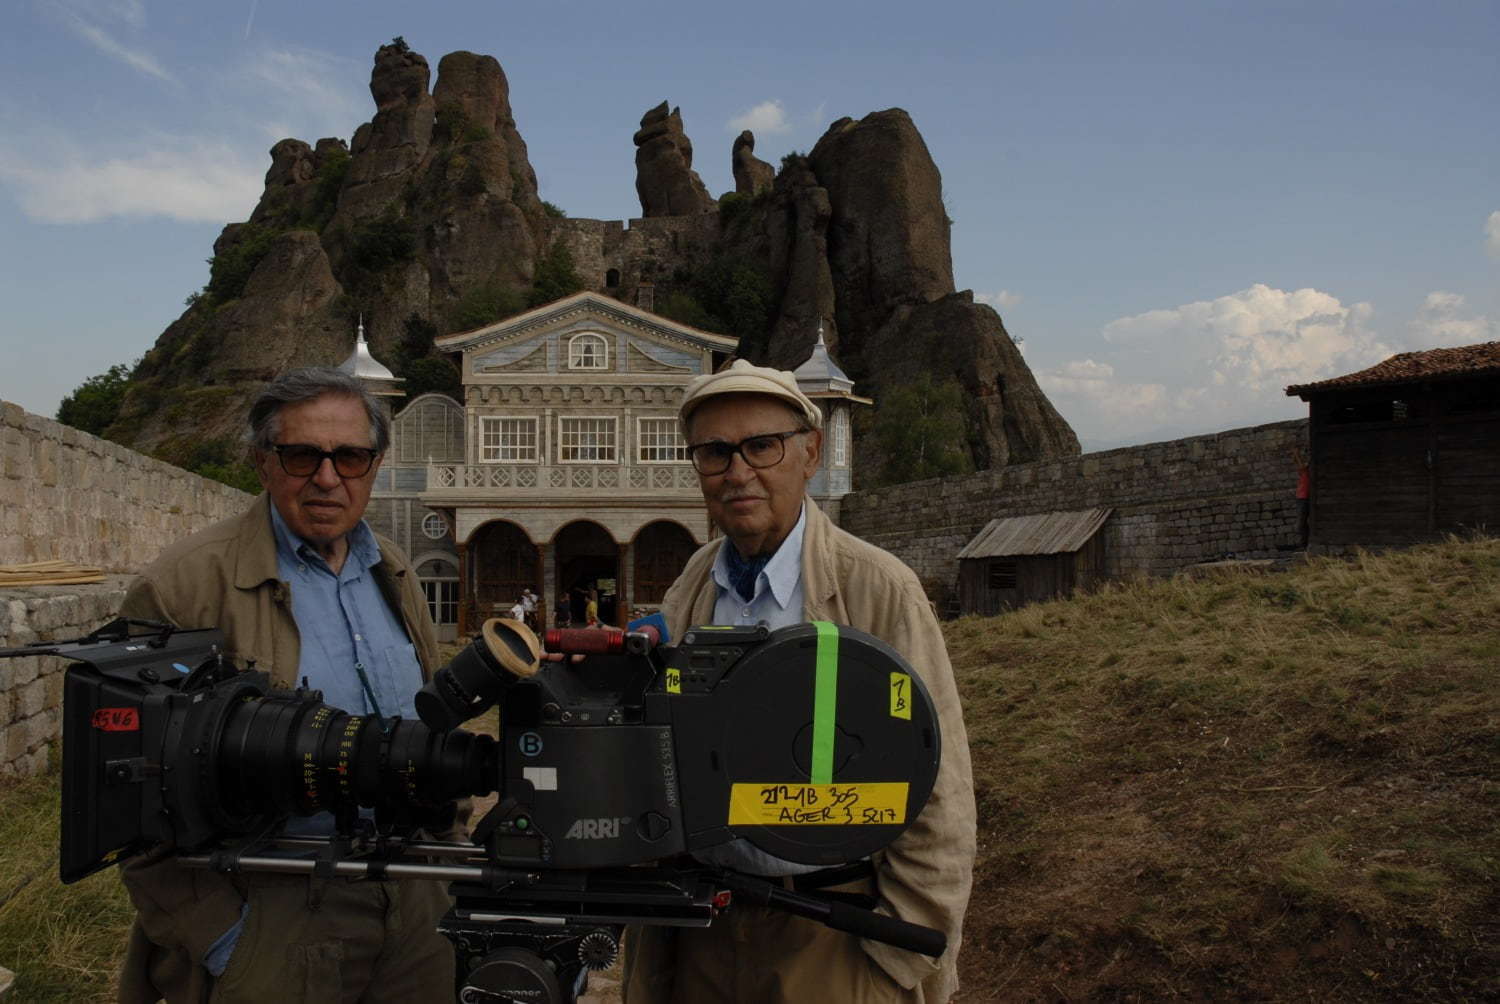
<point x="312" y="941"/>
<point x="754" y="955"/>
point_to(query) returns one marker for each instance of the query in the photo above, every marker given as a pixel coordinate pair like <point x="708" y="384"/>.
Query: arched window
<point x="612" y="278"/>
<point x="839" y="433"/>
<point x="588" y="352"/>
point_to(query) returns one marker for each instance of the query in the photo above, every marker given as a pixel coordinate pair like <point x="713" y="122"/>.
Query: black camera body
<point x="627" y="758"/>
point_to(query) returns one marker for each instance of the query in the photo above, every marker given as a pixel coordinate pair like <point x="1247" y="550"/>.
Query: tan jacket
<point x="925" y="875"/>
<point x="225" y="576"/>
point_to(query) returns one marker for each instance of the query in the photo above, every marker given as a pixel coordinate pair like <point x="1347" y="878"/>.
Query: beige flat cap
<point x="743" y="378"/>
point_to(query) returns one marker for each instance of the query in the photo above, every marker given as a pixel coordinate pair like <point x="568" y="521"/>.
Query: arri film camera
<point x="620" y="764"/>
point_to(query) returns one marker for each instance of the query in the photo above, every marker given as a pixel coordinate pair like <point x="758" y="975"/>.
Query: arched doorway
<point x="587" y="558"/>
<point x="502" y="562"/>
<point x="662" y="550"/>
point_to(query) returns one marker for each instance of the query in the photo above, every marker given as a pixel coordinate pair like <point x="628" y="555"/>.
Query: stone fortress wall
<point x="1176" y="503"/>
<point x="66" y="495"/>
<point x="635" y="251"/>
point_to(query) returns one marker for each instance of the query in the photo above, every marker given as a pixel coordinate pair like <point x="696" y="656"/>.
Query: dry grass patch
<point x="64" y="942"/>
<point x="1269" y="786"/>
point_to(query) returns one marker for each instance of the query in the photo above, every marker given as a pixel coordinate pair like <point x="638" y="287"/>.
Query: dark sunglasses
<point x="300" y="460"/>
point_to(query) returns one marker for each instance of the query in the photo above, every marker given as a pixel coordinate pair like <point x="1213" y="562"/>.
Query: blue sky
<point x="1179" y="207"/>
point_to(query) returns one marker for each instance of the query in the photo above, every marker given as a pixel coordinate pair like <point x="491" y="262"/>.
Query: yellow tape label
<point x="674" y="680"/>
<point x="901" y="696"/>
<point x="856" y="804"/>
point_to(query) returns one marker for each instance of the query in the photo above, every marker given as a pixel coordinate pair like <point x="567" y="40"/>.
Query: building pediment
<point x="579" y="312"/>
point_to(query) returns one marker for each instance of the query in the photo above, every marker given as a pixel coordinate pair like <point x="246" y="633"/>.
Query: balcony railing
<point x="470" y="480"/>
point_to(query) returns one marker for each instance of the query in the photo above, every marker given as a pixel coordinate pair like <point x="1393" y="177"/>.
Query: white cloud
<point x="1210" y="364"/>
<point x="1095" y="382"/>
<point x="766" y="118"/>
<point x="1001" y="300"/>
<point x="84" y="18"/>
<point x="310" y="86"/>
<point x="1438" y="323"/>
<point x="1492" y="233"/>
<point x="191" y="182"/>
<point x="1259" y="339"/>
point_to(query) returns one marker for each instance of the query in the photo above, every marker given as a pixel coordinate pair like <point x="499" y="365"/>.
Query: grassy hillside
<point x="1280" y="787"/>
<point x="1262" y="786"/>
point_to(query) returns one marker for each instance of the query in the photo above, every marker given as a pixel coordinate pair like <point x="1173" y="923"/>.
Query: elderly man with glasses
<point x="302" y="586"/>
<point x="755" y="439"/>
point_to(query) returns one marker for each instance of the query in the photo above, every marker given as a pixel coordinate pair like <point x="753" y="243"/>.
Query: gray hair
<point x="309" y="384"/>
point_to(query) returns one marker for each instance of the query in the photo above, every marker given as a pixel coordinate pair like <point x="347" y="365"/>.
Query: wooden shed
<point x="1406" y="450"/>
<point x="1017" y="560"/>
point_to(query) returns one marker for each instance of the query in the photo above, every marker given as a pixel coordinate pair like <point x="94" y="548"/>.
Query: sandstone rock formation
<point x="888" y="240"/>
<point x="751" y="174"/>
<point x="664" y="175"/>
<point x="434" y="208"/>
<point x="395" y="140"/>
<point x="436" y="198"/>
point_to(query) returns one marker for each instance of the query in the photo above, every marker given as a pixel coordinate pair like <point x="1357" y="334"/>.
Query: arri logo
<point x="607" y="828"/>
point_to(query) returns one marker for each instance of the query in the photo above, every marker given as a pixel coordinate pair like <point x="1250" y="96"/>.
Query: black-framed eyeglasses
<point x="301" y="460"/>
<point x="764" y="450"/>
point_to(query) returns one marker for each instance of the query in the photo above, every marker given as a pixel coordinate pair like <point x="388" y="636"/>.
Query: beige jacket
<point x="925" y="875"/>
<point x="225" y="576"/>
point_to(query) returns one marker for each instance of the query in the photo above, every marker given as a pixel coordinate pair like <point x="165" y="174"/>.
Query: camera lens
<point x="284" y="755"/>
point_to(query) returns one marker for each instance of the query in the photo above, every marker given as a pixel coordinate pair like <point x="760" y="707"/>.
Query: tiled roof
<point x="1410" y="367"/>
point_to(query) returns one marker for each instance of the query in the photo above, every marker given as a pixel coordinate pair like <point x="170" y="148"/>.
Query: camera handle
<point x="836" y="914"/>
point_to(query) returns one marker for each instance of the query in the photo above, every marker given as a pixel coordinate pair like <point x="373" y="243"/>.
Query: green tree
<point x="226" y="461"/>
<point x="920" y="430"/>
<point x="556" y="276"/>
<point x="684" y="307"/>
<point x="228" y="272"/>
<point x="95" y="404"/>
<point x="483" y="305"/>
<point x="434" y="373"/>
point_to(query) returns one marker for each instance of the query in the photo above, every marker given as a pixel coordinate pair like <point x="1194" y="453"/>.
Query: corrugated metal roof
<point x="1410" y="367"/>
<point x="1040" y="533"/>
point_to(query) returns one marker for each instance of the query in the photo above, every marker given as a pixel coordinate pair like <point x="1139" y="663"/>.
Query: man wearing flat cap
<point x="755" y="440"/>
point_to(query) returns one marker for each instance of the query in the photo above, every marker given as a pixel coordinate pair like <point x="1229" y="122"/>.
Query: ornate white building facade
<point x="564" y="471"/>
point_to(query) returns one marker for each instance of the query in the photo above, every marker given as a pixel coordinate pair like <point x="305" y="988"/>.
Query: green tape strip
<point x="825" y="702"/>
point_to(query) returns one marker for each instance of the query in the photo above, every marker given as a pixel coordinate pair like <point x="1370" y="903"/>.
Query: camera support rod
<point x="488" y="875"/>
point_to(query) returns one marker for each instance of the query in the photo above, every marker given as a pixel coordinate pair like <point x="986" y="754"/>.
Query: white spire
<point x="363" y="365"/>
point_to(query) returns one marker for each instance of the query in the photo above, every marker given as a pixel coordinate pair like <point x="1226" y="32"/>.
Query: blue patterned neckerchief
<point x="744" y="571"/>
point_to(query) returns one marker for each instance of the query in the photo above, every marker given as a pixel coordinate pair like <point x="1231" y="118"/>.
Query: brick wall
<point x="1176" y="503"/>
<point x="70" y="496"/>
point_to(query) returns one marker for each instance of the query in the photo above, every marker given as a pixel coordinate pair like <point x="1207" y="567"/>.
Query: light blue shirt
<point x="777" y="603"/>
<point x="354" y="647"/>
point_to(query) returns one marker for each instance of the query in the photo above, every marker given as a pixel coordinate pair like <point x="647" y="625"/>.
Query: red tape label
<point x="117" y="720"/>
